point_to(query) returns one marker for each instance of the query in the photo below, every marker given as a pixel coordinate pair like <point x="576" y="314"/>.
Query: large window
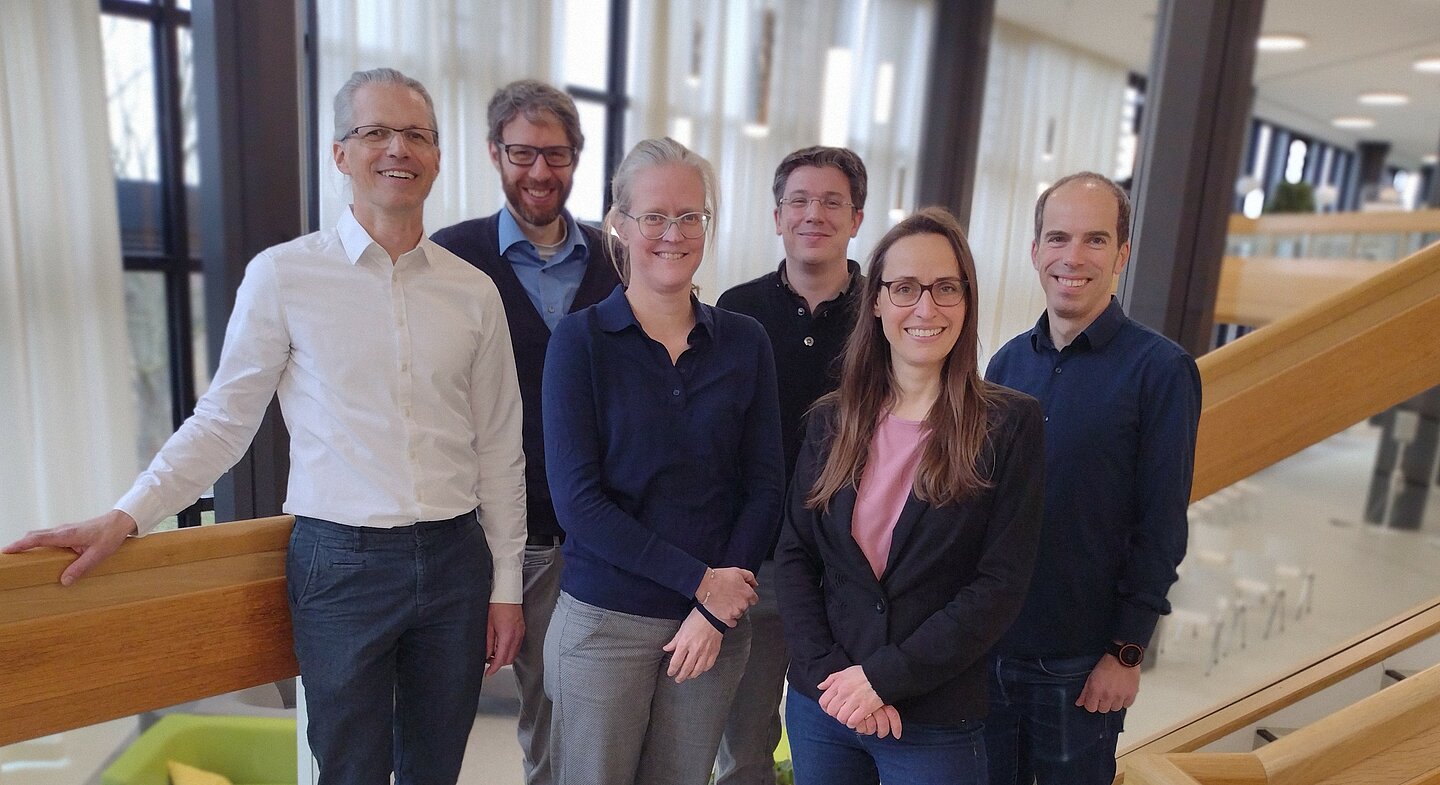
<point x="150" y="89"/>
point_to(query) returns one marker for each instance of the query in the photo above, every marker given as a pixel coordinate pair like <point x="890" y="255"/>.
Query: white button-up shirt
<point x="397" y="382"/>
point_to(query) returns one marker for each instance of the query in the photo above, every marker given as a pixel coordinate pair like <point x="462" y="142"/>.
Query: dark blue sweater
<point x="1122" y="404"/>
<point x="660" y="470"/>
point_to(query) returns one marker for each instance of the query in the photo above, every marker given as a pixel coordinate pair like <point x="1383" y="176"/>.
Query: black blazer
<point x="955" y="579"/>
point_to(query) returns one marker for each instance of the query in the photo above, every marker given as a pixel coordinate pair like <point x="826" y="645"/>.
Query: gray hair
<point x="345" y="99"/>
<point x="842" y="158"/>
<point x="645" y="154"/>
<point x="1122" y="203"/>
<point x="534" y="99"/>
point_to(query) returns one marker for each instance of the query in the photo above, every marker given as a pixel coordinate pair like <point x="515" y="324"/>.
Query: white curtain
<point x="849" y="73"/>
<point x="1050" y="110"/>
<point x="462" y="50"/>
<point x="65" y="371"/>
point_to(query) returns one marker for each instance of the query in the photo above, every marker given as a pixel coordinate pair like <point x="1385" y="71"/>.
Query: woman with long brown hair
<point x="910" y="532"/>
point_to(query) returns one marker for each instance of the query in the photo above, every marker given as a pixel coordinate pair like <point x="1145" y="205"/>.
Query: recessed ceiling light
<point x="1430" y="159"/>
<point x="1353" y="122"/>
<point x="1281" y="43"/>
<point x="1429" y="65"/>
<point x="1384" y="99"/>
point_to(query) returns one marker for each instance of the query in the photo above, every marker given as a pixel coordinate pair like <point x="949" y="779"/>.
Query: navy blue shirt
<point x="660" y="470"/>
<point x="1122" y="405"/>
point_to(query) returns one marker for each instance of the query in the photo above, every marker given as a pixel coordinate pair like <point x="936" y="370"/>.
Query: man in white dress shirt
<point x="392" y="361"/>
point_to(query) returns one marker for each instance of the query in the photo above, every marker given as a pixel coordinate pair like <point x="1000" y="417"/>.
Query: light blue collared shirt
<point x="551" y="285"/>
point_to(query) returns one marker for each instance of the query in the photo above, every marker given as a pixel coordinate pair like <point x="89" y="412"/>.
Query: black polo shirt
<point x="807" y="345"/>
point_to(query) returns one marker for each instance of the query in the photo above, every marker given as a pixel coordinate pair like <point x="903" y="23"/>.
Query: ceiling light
<point x="1384" y="99"/>
<point x="1431" y="159"/>
<point x="1429" y="65"/>
<point x="1353" y="122"/>
<point x="1281" y="43"/>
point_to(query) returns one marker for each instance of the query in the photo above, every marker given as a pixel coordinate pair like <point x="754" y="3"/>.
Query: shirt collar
<point x="510" y="233"/>
<point x="357" y="242"/>
<point x="615" y="314"/>
<point x="851" y="290"/>
<point x="1099" y="333"/>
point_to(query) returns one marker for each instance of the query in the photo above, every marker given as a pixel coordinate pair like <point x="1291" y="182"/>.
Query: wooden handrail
<point x="1389" y="737"/>
<point x="1318" y="371"/>
<point x="1324" y="670"/>
<point x="1258" y="290"/>
<point x="1399" y="222"/>
<point x="169" y="618"/>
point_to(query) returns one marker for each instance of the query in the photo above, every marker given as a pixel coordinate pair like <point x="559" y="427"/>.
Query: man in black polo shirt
<point x="807" y="307"/>
<point x="1122" y="404"/>
<point x="545" y="265"/>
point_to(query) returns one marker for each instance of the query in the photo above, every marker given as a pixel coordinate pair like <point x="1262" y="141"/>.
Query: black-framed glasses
<point x="525" y="155"/>
<point x="831" y="204"/>
<point x="905" y="292"/>
<point x="380" y="135"/>
<point x="653" y="226"/>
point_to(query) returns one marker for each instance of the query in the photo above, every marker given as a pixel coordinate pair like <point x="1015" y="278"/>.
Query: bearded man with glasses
<point x="545" y="265"/>
<point x="807" y="307"/>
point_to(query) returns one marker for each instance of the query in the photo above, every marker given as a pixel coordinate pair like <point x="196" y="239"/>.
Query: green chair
<point x="247" y="750"/>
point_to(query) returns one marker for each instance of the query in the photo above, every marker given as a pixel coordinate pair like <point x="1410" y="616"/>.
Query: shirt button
<point x="799" y="311"/>
<point x="675" y="392"/>
<point x="809" y="341"/>
<point x="879" y="606"/>
<point x="551" y="309"/>
<point x="1057" y="369"/>
<point x="1047" y="418"/>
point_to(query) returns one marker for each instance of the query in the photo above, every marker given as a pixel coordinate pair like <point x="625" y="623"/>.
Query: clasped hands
<point x="726" y="593"/>
<point x="848" y="697"/>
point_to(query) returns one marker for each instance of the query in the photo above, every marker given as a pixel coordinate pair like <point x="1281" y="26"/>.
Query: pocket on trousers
<point x="581" y="626"/>
<point x="1067" y="667"/>
<point x="300" y="561"/>
<point x="328" y="568"/>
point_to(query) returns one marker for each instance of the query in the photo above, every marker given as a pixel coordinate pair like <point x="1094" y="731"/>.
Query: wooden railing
<point x="1398" y="222"/>
<point x="1256" y="291"/>
<point x="169" y="618"/>
<point x="1390" y="738"/>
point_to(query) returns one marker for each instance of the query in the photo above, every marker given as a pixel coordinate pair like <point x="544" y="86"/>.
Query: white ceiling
<point x="1355" y="46"/>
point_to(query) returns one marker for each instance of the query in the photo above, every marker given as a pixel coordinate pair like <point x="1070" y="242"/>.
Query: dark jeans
<point x="389" y="630"/>
<point x="824" y="752"/>
<point x="1036" y="733"/>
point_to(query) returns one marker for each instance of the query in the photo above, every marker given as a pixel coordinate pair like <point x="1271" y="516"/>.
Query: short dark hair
<point x="841" y="158"/>
<point x="1122" y="203"/>
<point x="534" y="99"/>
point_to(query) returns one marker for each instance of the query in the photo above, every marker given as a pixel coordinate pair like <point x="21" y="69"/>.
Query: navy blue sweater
<point x="660" y="470"/>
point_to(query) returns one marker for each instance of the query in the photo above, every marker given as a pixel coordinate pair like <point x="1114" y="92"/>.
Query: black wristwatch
<point x="1129" y="654"/>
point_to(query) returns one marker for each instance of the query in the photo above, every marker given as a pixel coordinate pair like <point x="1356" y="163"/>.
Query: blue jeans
<point x="824" y="752"/>
<point x="389" y="629"/>
<point x="1036" y="733"/>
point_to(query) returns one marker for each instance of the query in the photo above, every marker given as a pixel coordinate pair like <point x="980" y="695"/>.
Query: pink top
<point x="885" y="486"/>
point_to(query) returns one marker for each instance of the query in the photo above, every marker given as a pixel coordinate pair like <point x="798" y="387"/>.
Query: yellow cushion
<point x="181" y="774"/>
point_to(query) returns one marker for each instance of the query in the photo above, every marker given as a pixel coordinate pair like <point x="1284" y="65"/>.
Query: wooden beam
<point x="171" y="617"/>
<point x="1255" y="291"/>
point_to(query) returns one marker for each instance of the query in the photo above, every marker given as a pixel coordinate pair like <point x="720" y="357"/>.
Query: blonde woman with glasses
<point x="662" y="442"/>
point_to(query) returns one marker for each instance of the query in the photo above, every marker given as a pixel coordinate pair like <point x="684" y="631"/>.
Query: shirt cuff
<point x="1134" y="624"/>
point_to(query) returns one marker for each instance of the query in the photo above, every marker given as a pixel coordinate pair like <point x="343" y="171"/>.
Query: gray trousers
<point x="542" y="588"/>
<point x="747" y="752"/>
<point x="618" y="718"/>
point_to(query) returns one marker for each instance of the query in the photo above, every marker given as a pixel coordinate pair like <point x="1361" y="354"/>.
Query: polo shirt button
<point x="675" y="392"/>
<point x="799" y="311"/>
<point x="1047" y="418"/>
<point x="809" y="341"/>
<point x="879" y="606"/>
<point x="1057" y="369"/>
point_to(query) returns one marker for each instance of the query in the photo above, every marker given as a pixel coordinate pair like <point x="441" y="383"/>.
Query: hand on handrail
<point x="93" y="541"/>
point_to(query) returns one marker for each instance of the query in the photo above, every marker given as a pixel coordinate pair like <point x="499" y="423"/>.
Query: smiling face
<point x="814" y="235"/>
<point x="392" y="180"/>
<point x="920" y="335"/>
<point x="536" y="193"/>
<point x="667" y="265"/>
<point x="1077" y="253"/>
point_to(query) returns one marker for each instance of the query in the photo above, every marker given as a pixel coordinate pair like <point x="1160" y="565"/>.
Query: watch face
<point x="1131" y="655"/>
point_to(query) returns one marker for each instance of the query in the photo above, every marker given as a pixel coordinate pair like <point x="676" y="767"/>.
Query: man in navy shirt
<point x="1122" y="404"/>
<point x="807" y="307"/>
<point x="545" y="265"/>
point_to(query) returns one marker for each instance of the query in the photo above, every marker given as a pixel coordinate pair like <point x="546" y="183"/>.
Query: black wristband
<point x="710" y="617"/>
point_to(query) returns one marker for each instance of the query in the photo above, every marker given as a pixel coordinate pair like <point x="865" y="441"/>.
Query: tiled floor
<point x="1313" y="501"/>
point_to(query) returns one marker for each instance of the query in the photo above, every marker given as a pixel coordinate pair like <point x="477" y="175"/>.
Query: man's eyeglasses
<point x="380" y="135"/>
<point x="653" y="226"/>
<point x="905" y="292"/>
<point x="831" y="204"/>
<point x="525" y="155"/>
